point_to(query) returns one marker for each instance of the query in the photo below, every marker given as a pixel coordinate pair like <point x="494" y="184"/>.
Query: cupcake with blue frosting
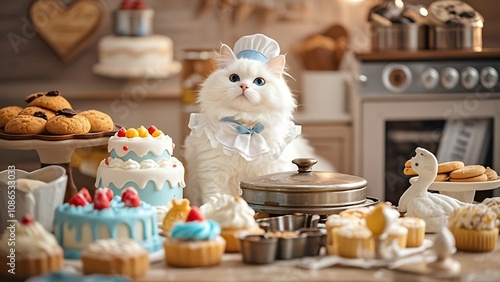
<point x="195" y="242"/>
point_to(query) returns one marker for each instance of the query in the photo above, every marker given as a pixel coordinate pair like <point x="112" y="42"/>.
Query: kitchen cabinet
<point x="332" y="141"/>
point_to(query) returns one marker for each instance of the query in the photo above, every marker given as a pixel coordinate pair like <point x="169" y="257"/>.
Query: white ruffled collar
<point x="232" y="137"/>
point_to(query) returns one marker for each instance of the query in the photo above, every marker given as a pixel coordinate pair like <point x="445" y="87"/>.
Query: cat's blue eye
<point x="234" y="78"/>
<point x="259" y="81"/>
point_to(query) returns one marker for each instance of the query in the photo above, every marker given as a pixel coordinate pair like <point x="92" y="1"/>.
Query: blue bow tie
<point x="243" y="130"/>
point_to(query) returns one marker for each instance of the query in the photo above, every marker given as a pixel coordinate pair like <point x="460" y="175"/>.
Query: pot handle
<point x="304" y="164"/>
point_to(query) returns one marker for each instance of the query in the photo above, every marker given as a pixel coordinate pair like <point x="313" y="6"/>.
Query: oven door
<point x="401" y="114"/>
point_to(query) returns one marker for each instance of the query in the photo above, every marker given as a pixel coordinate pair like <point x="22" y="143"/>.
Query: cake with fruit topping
<point x="142" y="158"/>
<point x="27" y="249"/>
<point x="84" y="220"/>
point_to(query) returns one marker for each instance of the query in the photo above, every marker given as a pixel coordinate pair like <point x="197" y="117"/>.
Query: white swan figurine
<point x="416" y="201"/>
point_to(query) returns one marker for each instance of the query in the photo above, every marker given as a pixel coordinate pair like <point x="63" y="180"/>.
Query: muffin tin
<point x="286" y="237"/>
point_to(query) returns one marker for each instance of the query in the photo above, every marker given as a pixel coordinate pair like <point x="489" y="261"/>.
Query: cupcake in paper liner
<point x="416" y="230"/>
<point x="235" y="217"/>
<point x="36" y="251"/>
<point x="195" y="242"/>
<point x="474" y="228"/>
<point x="355" y="241"/>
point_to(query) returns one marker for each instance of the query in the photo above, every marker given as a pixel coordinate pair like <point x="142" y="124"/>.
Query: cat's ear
<point x="277" y="65"/>
<point x="226" y="55"/>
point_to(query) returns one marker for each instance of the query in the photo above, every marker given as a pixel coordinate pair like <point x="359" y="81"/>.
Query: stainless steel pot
<point x="456" y="26"/>
<point x="305" y="191"/>
<point x="468" y="37"/>
<point x="409" y="36"/>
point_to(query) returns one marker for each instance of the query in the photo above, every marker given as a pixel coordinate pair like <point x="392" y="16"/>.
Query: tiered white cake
<point x="134" y="51"/>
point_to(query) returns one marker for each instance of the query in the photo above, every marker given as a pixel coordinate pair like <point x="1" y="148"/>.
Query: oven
<point x="446" y="102"/>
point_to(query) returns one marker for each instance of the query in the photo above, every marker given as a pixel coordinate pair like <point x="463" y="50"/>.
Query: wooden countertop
<point x="382" y="56"/>
<point x="475" y="267"/>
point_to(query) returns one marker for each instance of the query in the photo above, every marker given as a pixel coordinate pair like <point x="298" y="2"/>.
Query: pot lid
<point x="304" y="180"/>
<point x="453" y="13"/>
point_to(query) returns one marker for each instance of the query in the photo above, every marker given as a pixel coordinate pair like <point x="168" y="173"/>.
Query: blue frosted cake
<point x="142" y="158"/>
<point x="82" y="221"/>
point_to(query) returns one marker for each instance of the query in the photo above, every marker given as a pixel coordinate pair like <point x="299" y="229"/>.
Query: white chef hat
<point x="256" y="47"/>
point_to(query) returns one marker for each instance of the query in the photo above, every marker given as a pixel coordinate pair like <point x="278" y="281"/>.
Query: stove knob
<point x="449" y="77"/>
<point x="396" y="77"/>
<point x="489" y="77"/>
<point x="469" y="77"/>
<point x="430" y="78"/>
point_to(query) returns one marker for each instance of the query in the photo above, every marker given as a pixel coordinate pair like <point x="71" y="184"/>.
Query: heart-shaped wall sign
<point x="67" y="29"/>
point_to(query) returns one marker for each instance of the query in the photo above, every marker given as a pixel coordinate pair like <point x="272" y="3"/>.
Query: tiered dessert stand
<point x="55" y="149"/>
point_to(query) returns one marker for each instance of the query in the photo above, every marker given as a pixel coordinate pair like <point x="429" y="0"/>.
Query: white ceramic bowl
<point x="40" y="203"/>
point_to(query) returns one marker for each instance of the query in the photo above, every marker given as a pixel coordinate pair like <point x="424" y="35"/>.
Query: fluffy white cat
<point x="245" y="125"/>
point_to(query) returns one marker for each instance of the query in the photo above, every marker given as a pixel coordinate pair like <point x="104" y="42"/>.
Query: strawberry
<point x="139" y="5"/>
<point x="126" y="4"/>
<point x="101" y="201"/>
<point x="133" y="201"/>
<point x="108" y="192"/>
<point x="128" y="193"/>
<point x="121" y="132"/>
<point x="78" y="200"/>
<point x="27" y="220"/>
<point x="195" y="215"/>
<point x="85" y="192"/>
<point x="152" y="129"/>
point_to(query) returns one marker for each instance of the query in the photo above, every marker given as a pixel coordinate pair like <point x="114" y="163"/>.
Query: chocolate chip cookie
<point x="99" y="121"/>
<point x="29" y="111"/>
<point x="52" y="100"/>
<point x="25" y="124"/>
<point x="8" y="113"/>
<point x="67" y="121"/>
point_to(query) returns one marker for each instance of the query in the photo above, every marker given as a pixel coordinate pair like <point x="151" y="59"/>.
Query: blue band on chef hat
<point x="252" y="55"/>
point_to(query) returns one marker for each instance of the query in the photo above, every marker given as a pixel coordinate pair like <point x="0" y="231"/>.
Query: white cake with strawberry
<point x="84" y="220"/>
<point x="142" y="158"/>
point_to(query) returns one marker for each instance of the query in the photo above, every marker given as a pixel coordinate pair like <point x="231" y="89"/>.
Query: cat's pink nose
<point x="243" y="86"/>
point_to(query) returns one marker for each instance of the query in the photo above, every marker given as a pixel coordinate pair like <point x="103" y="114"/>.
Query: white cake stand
<point x="57" y="152"/>
<point x="463" y="191"/>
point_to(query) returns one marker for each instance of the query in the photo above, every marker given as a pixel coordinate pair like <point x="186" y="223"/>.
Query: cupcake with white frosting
<point x="416" y="230"/>
<point x="27" y="249"/>
<point x="474" y="228"/>
<point x="355" y="241"/>
<point x="123" y="256"/>
<point x="234" y="216"/>
<point x="333" y="223"/>
<point x="494" y="205"/>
